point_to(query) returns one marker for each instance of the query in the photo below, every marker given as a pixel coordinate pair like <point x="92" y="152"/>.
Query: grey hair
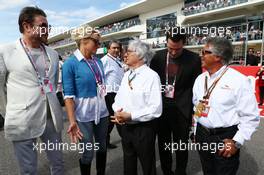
<point x="142" y="50"/>
<point x="221" y="47"/>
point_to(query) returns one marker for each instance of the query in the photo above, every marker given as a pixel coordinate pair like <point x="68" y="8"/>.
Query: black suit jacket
<point x="189" y="68"/>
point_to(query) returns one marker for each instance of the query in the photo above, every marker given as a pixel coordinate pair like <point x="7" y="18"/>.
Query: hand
<point x="229" y="148"/>
<point x="74" y="132"/>
<point x="114" y="118"/>
<point x="123" y="117"/>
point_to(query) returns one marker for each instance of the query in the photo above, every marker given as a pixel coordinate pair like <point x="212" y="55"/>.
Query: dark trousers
<point x="212" y="163"/>
<point x="172" y="123"/>
<point x="138" y="141"/>
<point x="261" y="94"/>
<point x="109" y="100"/>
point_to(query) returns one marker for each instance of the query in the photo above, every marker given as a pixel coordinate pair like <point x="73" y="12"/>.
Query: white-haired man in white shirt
<point x="137" y="104"/>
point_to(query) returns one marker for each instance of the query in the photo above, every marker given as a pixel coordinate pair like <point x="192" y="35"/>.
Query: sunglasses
<point x="206" y="52"/>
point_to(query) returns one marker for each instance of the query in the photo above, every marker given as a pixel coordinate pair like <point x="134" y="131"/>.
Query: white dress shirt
<point x="232" y="102"/>
<point x="114" y="72"/>
<point x="143" y="101"/>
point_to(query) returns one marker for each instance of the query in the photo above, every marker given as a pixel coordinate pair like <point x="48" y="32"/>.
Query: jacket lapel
<point x="50" y="60"/>
<point x="21" y="53"/>
<point x="181" y="67"/>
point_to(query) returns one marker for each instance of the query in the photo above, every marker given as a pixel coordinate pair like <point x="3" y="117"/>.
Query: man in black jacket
<point x="178" y="69"/>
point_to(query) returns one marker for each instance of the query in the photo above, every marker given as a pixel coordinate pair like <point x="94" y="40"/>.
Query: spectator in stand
<point x="252" y="60"/>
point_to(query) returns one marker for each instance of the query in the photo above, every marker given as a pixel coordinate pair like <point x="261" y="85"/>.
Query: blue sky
<point x="60" y="13"/>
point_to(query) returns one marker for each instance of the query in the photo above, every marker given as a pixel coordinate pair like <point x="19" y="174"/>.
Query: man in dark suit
<point x="178" y="69"/>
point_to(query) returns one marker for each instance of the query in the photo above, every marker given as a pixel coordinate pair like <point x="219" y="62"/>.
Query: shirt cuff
<point x="135" y="116"/>
<point x="239" y="138"/>
<point x="69" y="96"/>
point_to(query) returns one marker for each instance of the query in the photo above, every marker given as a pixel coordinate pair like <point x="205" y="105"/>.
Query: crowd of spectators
<point x="157" y="28"/>
<point x="206" y="5"/>
<point x="235" y="34"/>
<point x="118" y="26"/>
<point x="61" y="42"/>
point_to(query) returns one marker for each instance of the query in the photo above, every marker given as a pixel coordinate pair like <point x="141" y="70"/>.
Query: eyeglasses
<point x="129" y="51"/>
<point x="206" y="52"/>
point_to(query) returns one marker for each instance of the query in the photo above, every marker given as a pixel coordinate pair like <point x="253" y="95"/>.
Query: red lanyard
<point x="97" y="74"/>
<point x="30" y="57"/>
<point x="211" y="88"/>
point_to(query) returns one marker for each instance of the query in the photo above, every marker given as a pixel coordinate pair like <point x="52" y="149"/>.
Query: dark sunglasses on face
<point x="206" y="52"/>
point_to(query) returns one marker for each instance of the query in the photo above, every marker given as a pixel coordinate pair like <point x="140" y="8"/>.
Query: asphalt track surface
<point x="251" y="158"/>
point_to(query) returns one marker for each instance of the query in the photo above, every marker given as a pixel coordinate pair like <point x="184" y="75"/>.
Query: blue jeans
<point x="95" y="136"/>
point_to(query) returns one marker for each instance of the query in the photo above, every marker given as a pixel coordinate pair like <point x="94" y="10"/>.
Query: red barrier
<point x="251" y="72"/>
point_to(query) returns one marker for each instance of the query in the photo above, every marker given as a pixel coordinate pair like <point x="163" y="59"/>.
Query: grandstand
<point x="241" y="21"/>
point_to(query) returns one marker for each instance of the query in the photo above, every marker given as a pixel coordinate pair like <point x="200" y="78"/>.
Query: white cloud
<point x="10" y="4"/>
<point x="123" y="4"/>
<point x="65" y="20"/>
<point x="72" y="18"/>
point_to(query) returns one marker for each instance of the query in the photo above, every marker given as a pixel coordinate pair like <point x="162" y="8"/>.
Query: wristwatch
<point x="237" y="144"/>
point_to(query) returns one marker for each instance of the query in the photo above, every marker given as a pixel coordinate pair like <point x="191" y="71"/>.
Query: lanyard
<point x="208" y="92"/>
<point x="115" y="59"/>
<point x="30" y="57"/>
<point x="97" y="75"/>
<point x="167" y="73"/>
<point x="131" y="78"/>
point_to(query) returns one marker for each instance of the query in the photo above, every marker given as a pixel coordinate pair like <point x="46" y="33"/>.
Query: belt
<point x="215" y="131"/>
<point x="138" y="124"/>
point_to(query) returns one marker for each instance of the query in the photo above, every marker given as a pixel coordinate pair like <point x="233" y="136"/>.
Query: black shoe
<point x="100" y="163"/>
<point x="85" y="168"/>
<point x="111" y="146"/>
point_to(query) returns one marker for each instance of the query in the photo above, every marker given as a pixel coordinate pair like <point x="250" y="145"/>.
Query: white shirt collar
<point x="78" y="55"/>
<point x="139" y="69"/>
<point x="214" y="75"/>
<point x="111" y="56"/>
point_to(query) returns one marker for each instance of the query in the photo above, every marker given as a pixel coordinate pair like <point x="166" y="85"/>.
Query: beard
<point x="44" y="39"/>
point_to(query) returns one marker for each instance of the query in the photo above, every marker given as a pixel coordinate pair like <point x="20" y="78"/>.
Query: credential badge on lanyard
<point x="44" y="82"/>
<point x="169" y="88"/>
<point x="98" y="75"/>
